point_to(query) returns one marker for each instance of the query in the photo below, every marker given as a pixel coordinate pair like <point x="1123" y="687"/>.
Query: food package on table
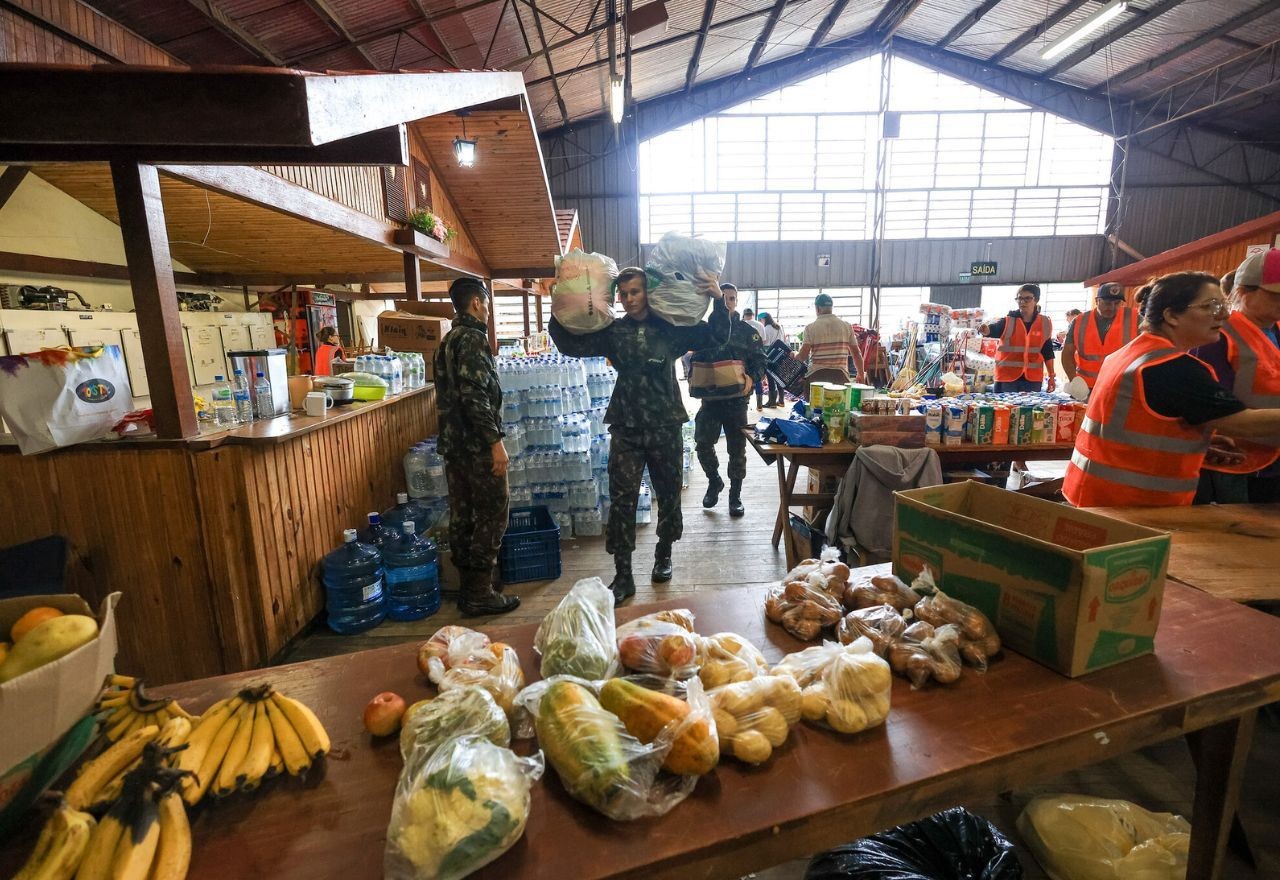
<point x="754" y="717"/>
<point x="472" y="660"/>
<point x="924" y="652"/>
<point x="827" y="573"/>
<point x="882" y="590"/>
<point x="465" y="710"/>
<point x="802" y="609"/>
<point x="688" y="272"/>
<point x="582" y="298"/>
<point x="978" y="638"/>
<point x="660" y="644"/>
<point x="437" y="646"/>
<point x="457" y="808"/>
<point x="881" y="624"/>
<point x="844" y="687"/>
<point x="598" y="761"/>
<point x="647" y="714"/>
<point x="578" y="637"/>
<point x="728" y="657"/>
<point x="1093" y="838"/>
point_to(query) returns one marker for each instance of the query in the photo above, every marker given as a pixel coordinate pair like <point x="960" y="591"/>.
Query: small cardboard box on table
<point x="1070" y="589"/>
<point x="401" y="331"/>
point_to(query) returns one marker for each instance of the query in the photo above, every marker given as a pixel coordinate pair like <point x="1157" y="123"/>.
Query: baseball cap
<point x="1260" y="270"/>
<point x="822" y="301"/>
<point x="1111" y="291"/>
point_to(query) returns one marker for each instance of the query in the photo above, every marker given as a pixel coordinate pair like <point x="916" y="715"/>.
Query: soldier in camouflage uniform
<point x="645" y="416"/>
<point x="470" y="402"/>
<point x="723" y="377"/>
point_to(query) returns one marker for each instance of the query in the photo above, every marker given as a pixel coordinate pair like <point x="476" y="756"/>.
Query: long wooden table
<point x="1229" y="550"/>
<point x="790" y="459"/>
<point x="1018" y="724"/>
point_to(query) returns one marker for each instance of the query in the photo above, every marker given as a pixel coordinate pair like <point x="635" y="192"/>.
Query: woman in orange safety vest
<point x="1150" y="423"/>
<point x="328" y="349"/>
<point x="1026" y="344"/>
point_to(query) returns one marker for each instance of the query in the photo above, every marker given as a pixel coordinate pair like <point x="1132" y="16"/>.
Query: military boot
<point x="735" y="499"/>
<point x="624" y="585"/>
<point x="714" y="487"/>
<point x="662" y="562"/>
<point x="478" y="598"/>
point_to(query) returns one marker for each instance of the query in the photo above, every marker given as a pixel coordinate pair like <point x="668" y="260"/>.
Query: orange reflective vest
<point x="325" y="353"/>
<point x="1019" y="352"/>
<point x="1256" y="361"/>
<point x="1126" y="454"/>
<point x="1091" y="349"/>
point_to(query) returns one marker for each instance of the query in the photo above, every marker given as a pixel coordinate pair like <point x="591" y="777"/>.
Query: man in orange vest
<point x="1025" y="355"/>
<point x="1106" y="328"/>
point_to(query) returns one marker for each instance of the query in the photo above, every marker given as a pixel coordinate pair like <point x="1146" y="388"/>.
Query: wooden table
<point x="840" y="455"/>
<point x="1018" y="724"/>
<point x="1229" y="550"/>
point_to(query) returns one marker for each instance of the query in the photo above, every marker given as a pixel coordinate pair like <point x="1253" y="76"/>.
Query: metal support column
<point x="1119" y="174"/>
<point x="882" y="169"/>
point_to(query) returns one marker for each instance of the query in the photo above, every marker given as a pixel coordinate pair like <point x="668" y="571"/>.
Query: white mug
<point x="316" y="403"/>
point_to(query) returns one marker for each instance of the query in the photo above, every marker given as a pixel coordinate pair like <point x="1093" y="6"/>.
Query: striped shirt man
<point x="829" y="342"/>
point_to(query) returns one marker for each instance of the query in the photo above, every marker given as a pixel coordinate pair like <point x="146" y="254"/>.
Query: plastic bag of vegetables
<point x="925" y="652"/>
<point x="597" y="760"/>
<point x="688" y="270"/>
<point x="457" y="808"/>
<point x="582" y="299"/>
<point x="660" y="643"/>
<point x="472" y="660"/>
<point x="845" y="687"/>
<point x="882" y="624"/>
<point x="466" y="710"/>
<point x="727" y="657"/>
<point x="755" y="716"/>
<point x="578" y="637"/>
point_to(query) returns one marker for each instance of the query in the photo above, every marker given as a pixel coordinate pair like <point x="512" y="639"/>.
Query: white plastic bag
<point x="471" y="660"/>
<point x="429" y="724"/>
<point x="689" y="272"/>
<point x="578" y="637"/>
<point x="582" y="298"/>
<point x="1075" y="837"/>
<point x="457" y="808"/>
<point x="62" y="396"/>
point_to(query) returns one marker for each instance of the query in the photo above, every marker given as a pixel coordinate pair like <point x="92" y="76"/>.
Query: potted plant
<point x="425" y="221"/>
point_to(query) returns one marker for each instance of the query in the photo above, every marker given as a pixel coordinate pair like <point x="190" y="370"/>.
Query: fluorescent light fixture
<point x="464" y="152"/>
<point x="617" y="97"/>
<point x="1107" y="13"/>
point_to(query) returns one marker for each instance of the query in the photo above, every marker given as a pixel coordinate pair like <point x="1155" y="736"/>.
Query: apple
<point x="383" y="714"/>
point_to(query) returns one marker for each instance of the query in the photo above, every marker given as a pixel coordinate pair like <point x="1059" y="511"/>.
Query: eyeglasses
<point x="1213" y="306"/>
<point x="1025" y="299"/>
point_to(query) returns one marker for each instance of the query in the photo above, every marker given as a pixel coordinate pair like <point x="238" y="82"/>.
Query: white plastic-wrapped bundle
<point x="689" y="272"/>
<point x="582" y="299"/>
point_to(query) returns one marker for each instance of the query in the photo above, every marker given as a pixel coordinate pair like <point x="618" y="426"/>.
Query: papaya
<point x="584" y="743"/>
<point x="645" y="713"/>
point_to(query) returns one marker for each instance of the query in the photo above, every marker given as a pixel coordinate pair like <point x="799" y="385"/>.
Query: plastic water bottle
<point x="224" y="406"/>
<point x="437" y="485"/>
<point x="415" y="472"/>
<point x="352" y="577"/>
<point x="240" y="396"/>
<point x="407" y="510"/>
<point x="264" y="407"/>
<point x="376" y="533"/>
<point x="644" y="506"/>
<point x="412" y="575"/>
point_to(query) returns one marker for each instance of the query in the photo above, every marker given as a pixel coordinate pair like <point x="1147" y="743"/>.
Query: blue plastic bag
<point x="793" y="432"/>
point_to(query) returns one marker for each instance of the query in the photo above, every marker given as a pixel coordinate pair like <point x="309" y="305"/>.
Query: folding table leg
<point x="1220" y="753"/>
<point x="783" y="497"/>
<point x="789" y="539"/>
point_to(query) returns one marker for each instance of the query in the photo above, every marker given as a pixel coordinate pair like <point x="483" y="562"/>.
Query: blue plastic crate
<point x="531" y="547"/>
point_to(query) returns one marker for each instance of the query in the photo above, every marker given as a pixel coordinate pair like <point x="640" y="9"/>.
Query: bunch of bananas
<point x="100" y="781"/>
<point x="126" y="708"/>
<point x="241" y="740"/>
<point x="145" y="835"/>
<point x="60" y="847"/>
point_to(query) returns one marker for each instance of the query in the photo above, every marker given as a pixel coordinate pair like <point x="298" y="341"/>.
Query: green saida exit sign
<point x="984" y="269"/>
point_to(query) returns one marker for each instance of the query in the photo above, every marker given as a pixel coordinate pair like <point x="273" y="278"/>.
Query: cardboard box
<point x="821" y="482"/>
<point x="1070" y="589"/>
<point x="404" y="332"/>
<point x="427" y="309"/>
<point x="38" y="708"/>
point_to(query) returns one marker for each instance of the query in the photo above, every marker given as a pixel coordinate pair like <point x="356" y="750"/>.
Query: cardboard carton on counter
<point x="401" y="331"/>
<point x="1070" y="589"/>
<point x="37" y="709"/>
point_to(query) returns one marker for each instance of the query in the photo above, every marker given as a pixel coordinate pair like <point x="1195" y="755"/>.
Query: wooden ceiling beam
<point x="38" y="265"/>
<point x="10" y="180"/>
<point x="229" y="28"/>
<point x="965" y="24"/>
<point x="1093" y="47"/>
<point x="1029" y="36"/>
<point x="708" y="13"/>
<point x="326" y="14"/>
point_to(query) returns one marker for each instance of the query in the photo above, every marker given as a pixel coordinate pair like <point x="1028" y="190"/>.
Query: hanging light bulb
<point x="617" y="98"/>
<point x="464" y="150"/>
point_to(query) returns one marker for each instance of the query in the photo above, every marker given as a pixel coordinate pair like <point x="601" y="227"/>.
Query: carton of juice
<point x="985" y="424"/>
<point x="1000" y="424"/>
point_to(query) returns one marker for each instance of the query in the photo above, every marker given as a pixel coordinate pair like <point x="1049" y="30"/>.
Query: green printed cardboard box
<point x="1073" y="590"/>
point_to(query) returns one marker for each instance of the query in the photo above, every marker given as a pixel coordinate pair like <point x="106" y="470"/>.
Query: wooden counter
<point x="214" y="541"/>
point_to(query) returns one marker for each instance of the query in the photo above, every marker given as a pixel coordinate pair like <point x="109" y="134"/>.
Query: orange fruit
<point x="33" y="618"/>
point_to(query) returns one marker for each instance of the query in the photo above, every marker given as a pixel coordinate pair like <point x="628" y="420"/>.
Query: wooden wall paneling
<point x="356" y="186"/>
<point x="70" y="32"/>
<point x="442" y="204"/>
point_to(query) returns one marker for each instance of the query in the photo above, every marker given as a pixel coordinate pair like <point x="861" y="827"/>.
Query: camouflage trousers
<point x="478" y="506"/>
<point x="730" y="415"/>
<point x="630" y="449"/>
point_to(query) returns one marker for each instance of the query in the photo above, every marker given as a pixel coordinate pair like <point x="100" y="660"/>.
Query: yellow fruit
<point x="29" y="621"/>
<point x="48" y="641"/>
<point x="4" y="651"/>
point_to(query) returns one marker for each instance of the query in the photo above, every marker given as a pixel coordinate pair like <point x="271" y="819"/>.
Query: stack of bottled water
<point x="403" y="371"/>
<point x="553" y="417"/>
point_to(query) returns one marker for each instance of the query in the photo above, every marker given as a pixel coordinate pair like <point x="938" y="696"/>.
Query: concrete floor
<point x="719" y="553"/>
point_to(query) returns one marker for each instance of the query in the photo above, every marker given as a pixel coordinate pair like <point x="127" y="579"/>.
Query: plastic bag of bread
<point x="881" y="624"/>
<point x="978" y="638"/>
<point x="755" y="717"/>
<point x="884" y="589"/>
<point x="727" y="657"/>
<point x="851" y="690"/>
<point x="475" y="662"/>
<point x="802" y="609"/>
<point x="578" y="636"/>
<point x="660" y="644"/>
<point x="433" y="654"/>
<point x="827" y="573"/>
<point x="923" y="653"/>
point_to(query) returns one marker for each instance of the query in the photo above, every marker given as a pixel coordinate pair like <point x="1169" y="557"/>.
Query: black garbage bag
<point x="952" y="845"/>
